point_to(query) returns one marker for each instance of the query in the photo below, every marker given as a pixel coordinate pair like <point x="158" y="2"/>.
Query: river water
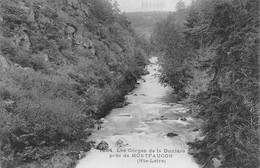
<point x="143" y="126"/>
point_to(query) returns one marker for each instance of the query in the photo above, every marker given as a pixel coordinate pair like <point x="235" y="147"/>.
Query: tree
<point x="116" y="8"/>
<point x="221" y="75"/>
<point x="180" y="6"/>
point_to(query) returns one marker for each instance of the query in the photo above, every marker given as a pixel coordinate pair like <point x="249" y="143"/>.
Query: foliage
<point x="212" y="59"/>
<point x="69" y="63"/>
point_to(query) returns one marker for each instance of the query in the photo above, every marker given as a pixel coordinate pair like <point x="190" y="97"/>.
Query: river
<point x="143" y="126"/>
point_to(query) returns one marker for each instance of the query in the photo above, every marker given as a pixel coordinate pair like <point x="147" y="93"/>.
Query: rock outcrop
<point x="3" y="62"/>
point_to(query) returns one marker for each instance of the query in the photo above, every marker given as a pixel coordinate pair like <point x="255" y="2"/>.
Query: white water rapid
<point x="143" y="126"/>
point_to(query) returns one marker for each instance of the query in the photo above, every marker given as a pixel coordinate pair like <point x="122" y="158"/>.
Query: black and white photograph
<point x="129" y="84"/>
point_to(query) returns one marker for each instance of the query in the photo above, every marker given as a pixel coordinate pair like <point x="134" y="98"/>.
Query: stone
<point x="44" y="19"/>
<point x="145" y="72"/>
<point x="3" y="62"/>
<point x="23" y="7"/>
<point x="103" y="146"/>
<point x="171" y="135"/>
<point x="70" y="30"/>
<point x="8" y="102"/>
<point x="216" y="162"/>
<point x="45" y="57"/>
<point x="189" y="111"/>
<point x="22" y="41"/>
<point x="1" y="18"/>
<point x="93" y="51"/>
<point x="91" y="144"/>
<point x="81" y="155"/>
<point x="119" y="143"/>
<point x="163" y="118"/>
<point x="86" y="10"/>
<point x="195" y="130"/>
<point x="73" y="3"/>
<point x="42" y="56"/>
<point x="31" y="16"/>
<point x="116" y="47"/>
<point x="97" y="126"/>
<point x="183" y="119"/>
<point x="88" y="44"/>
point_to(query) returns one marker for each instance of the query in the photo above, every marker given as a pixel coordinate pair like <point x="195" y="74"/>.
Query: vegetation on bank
<point x="211" y="58"/>
<point x="64" y="64"/>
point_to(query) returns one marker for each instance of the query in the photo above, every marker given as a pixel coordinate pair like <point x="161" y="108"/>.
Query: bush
<point x="52" y="119"/>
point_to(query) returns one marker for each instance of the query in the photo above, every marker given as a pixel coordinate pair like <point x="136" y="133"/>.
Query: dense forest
<point x="210" y="56"/>
<point x="63" y="65"/>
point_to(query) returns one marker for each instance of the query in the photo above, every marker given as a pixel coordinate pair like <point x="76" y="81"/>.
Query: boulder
<point x="45" y="57"/>
<point x="3" y="62"/>
<point x="43" y="19"/>
<point x="145" y="72"/>
<point x="183" y="119"/>
<point x="121" y="104"/>
<point x="88" y="44"/>
<point x="115" y="47"/>
<point x="70" y="30"/>
<point x="81" y="155"/>
<point x="76" y="154"/>
<point x="42" y="56"/>
<point x="216" y="162"/>
<point x="91" y="144"/>
<point x="1" y="18"/>
<point x="171" y="135"/>
<point x="22" y="41"/>
<point x="189" y="112"/>
<point x="86" y="10"/>
<point x="163" y="118"/>
<point x="195" y="130"/>
<point x="31" y="16"/>
<point x="73" y="3"/>
<point x="119" y="143"/>
<point x="103" y="146"/>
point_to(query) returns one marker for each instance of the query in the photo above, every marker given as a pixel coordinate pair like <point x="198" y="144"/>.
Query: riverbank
<point x="68" y="154"/>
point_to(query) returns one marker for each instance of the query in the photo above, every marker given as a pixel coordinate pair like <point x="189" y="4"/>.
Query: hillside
<point x="63" y="65"/>
<point x="211" y="59"/>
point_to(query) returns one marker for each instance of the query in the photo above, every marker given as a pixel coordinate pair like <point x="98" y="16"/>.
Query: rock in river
<point x="171" y="135"/>
<point x="119" y="143"/>
<point x="196" y="130"/>
<point x="183" y="119"/>
<point x="103" y="146"/>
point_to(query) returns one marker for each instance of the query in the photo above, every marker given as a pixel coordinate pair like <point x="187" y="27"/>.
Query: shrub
<point x="53" y="119"/>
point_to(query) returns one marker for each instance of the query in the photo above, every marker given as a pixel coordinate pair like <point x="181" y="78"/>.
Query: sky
<point x="148" y="5"/>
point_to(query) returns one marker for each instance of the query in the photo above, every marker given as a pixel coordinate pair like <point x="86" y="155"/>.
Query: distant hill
<point x="143" y="22"/>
